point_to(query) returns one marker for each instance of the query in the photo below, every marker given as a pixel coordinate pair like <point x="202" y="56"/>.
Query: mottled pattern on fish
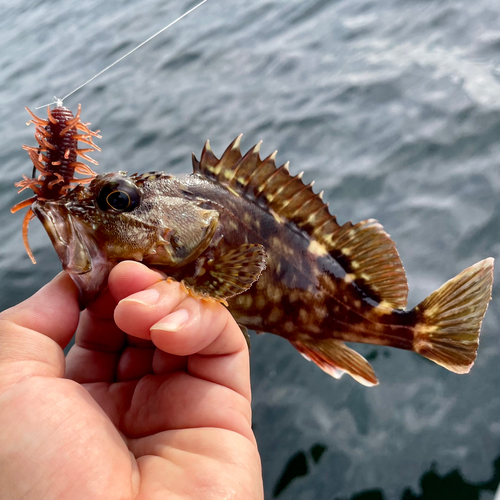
<point x="242" y="231"/>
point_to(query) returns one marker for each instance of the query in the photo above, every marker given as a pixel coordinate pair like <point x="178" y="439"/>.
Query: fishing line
<point x="60" y="101"/>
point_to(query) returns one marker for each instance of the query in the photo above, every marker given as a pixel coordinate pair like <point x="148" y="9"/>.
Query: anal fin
<point x="227" y="275"/>
<point x="335" y="358"/>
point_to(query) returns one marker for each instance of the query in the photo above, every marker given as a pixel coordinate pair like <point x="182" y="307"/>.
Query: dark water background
<point x="392" y="106"/>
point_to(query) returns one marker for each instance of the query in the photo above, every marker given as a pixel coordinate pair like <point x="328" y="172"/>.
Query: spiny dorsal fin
<point x="364" y="250"/>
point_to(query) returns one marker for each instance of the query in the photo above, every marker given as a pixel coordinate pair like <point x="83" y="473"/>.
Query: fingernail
<point x="173" y="322"/>
<point x="146" y="297"/>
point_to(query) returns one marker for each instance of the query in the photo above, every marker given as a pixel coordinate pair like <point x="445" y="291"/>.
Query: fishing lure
<point x="56" y="159"/>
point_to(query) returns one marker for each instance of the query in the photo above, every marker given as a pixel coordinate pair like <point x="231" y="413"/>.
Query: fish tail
<point x="449" y="320"/>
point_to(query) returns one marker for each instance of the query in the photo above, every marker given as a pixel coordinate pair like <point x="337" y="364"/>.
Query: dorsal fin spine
<point x="270" y="160"/>
<point x="238" y="166"/>
<point x="311" y="217"/>
<point x="286" y="184"/>
<point x="303" y="205"/>
<point x="266" y="183"/>
<point x="236" y="143"/>
<point x="253" y="173"/>
<point x="208" y="157"/>
<point x="319" y="228"/>
<point x="364" y="250"/>
<point x="231" y="156"/>
<point x="296" y="194"/>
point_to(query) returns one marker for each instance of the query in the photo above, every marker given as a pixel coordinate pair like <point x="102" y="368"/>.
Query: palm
<point x="130" y="420"/>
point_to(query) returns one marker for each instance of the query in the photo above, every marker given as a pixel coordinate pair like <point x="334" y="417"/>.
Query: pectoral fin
<point x="227" y="275"/>
<point x="335" y="358"/>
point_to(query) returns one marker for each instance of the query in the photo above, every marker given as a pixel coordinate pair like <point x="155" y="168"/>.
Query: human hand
<point x="152" y="414"/>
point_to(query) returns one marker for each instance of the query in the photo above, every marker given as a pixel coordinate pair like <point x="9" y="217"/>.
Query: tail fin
<point x="449" y="319"/>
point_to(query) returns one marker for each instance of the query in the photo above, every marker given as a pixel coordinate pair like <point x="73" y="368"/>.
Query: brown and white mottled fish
<point x="246" y="233"/>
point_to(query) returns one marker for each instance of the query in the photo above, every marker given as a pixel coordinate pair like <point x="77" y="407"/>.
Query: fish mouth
<point x="77" y="250"/>
<point x="66" y="240"/>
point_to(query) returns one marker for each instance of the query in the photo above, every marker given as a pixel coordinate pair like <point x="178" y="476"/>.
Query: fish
<point x="245" y="232"/>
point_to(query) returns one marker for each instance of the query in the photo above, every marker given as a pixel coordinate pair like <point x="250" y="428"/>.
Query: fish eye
<point x="118" y="195"/>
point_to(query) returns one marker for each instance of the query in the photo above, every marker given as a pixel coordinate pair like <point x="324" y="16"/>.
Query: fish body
<point x="245" y="232"/>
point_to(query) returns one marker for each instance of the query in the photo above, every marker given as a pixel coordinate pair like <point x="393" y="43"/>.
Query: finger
<point x="86" y="365"/>
<point x="164" y="363"/>
<point x="129" y="277"/>
<point x="177" y="322"/>
<point x="214" y="443"/>
<point x="97" y="329"/>
<point x="181" y="401"/>
<point x="181" y="325"/>
<point x="100" y="344"/>
<point x="231" y="459"/>
<point x="34" y="331"/>
<point x="135" y="363"/>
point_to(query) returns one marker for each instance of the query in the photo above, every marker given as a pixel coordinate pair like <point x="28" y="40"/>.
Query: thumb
<point x="33" y="333"/>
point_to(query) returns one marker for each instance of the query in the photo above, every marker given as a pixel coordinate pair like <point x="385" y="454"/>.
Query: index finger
<point x="184" y="326"/>
<point x="97" y="329"/>
<point x="99" y="342"/>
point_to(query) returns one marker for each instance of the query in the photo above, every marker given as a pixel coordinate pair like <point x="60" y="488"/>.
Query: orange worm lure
<point x="56" y="159"/>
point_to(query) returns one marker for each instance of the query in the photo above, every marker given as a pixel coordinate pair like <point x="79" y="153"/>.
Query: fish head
<point x="116" y="218"/>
